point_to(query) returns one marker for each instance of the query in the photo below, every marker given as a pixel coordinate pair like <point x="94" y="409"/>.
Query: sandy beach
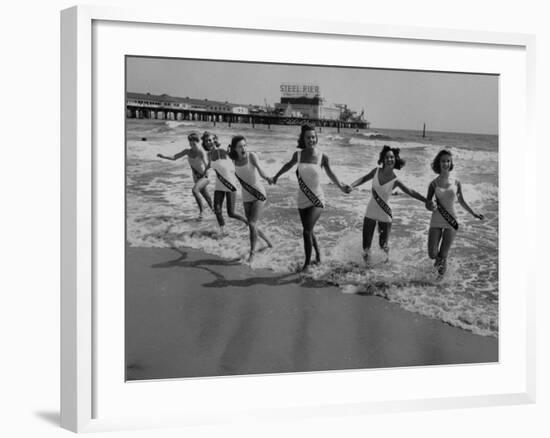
<point x="191" y="314"/>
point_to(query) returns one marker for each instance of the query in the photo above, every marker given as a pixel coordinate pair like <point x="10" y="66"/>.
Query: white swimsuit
<point x="447" y="197"/>
<point x="310" y="193"/>
<point x="383" y="191"/>
<point x="252" y="188"/>
<point x="225" y="175"/>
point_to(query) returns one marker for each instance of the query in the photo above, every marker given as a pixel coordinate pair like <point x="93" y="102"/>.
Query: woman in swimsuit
<point x="378" y="211"/>
<point x="443" y="225"/>
<point x="196" y="156"/>
<point x="248" y="172"/>
<point x="226" y="182"/>
<point x="209" y="141"/>
<point x="311" y="199"/>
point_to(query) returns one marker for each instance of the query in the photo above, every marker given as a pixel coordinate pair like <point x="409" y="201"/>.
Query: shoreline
<point x="192" y="314"/>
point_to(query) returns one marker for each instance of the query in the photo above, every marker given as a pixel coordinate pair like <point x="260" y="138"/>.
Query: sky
<point x="391" y="99"/>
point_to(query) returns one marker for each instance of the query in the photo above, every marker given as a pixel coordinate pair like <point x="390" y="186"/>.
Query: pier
<point x="158" y="112"/>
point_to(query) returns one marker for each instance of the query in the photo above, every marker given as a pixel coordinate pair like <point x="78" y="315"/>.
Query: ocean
<point x="161" y="212"/>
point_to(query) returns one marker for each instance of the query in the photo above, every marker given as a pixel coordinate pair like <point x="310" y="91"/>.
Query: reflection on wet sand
<point x="189" y="314"/>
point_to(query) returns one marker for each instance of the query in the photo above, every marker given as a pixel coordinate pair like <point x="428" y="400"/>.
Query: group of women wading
<point x="236" y="166"/>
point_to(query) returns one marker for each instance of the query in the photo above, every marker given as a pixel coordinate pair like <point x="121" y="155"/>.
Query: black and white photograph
<point x="285" y="218"/>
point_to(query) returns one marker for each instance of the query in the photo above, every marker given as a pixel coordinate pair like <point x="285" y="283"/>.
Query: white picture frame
<point x="84" y="348"/>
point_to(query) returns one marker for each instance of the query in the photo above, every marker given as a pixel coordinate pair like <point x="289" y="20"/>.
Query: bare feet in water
<point x="440" y="267"/>
<point x="366" y="256"/>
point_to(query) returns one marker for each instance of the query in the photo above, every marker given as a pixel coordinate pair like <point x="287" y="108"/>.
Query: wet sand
<point x="191" y="314"/>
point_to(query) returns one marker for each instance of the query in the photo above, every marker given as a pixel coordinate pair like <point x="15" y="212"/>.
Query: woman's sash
<point x="225" y="182"/>
<point x="385" y="207"/>
<point x="446" y="215"/>
<point x="308" y="192"/>
<point x="251" y="189"/>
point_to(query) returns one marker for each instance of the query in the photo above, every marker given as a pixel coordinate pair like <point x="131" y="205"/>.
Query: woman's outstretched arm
<point x="411" y="192"/>
<point x="326" y="165"/>
<point x="462" y="202"/>
<point x="430" y="204"/>
<point x="286" y="167"/>
<point x="363" y="179"/>
<point x="176" y="156"/>
<point x="256" y="163"/>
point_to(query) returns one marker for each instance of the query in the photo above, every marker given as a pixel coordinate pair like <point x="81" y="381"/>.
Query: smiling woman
<point x="378" y="210"/>
<point x="443" y="225"/>
<point x="248" y="171"/>
<point x="310" y="196"/>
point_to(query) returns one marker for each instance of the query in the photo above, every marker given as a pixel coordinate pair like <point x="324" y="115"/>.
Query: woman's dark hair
<point x="399" y="162"/>
<point x="301" y="139"/>
<point x="233" y="146"/>
<point x="436" y="163"/>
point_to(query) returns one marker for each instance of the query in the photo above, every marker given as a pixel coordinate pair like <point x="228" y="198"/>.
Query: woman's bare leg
<point x="253" y="211"/>
<point x="201" y="187"/>
<point x="219" y="197"/>
<point x="230" y="205"/>
<point x="368" y="232"/>
<point x="448" y="237"/>
<point x="434" y="237"/>
<point x="384" y="230"/>
<point x="309" y="217"/>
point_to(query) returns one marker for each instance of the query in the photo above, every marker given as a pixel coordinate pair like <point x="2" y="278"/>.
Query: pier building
<point x="164" y="106"/>
<point x="305" y="100"/>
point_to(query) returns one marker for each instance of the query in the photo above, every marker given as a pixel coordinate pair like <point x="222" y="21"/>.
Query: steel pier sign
<point x="300" y="90"/>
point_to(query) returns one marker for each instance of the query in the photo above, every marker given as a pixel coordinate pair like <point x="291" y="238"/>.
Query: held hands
<point x="270" y="180"/>
<point x="430" y="205"/>
<point x="346" y="188"/>
<point x="479" y="216"/>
